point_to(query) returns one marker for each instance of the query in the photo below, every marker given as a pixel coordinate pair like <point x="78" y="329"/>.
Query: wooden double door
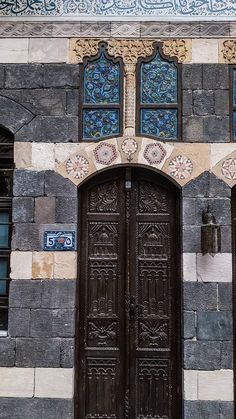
<point x="128" y="331"/>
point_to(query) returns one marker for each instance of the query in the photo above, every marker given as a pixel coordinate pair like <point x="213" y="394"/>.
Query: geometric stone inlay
<point x="105" y="153"/>
<point x="129" y="147"/>
<point x="154" y="153"/>
<point x="77" y="167"/>
<point x="181" y="167"/>
<point x="228" y="169"/>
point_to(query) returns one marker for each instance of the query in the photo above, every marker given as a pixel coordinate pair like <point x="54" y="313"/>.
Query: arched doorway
<point x="128" y="323"/>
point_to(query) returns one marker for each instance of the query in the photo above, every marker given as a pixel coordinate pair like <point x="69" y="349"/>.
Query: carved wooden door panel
<point x="128" y="324"/>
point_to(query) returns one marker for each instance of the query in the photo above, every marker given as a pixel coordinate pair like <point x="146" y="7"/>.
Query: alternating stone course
<point x="41" y="325"/>
<point x="40" y="105"/>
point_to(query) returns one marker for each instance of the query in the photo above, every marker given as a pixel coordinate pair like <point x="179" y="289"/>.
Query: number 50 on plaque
<point x="59" y="240"/>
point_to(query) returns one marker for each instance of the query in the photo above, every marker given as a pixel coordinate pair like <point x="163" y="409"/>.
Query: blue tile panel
<point x="101" y="93"/>
<point x="102" y="82"/>
<point x="159" y="99"/>
<point x="161" y="123"/>
<point x="100" y="123"/>
<point x="158" y="82"/>
<point x="234" y="88"/>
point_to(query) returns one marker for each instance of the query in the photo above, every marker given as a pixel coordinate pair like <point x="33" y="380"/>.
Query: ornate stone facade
<point x="39" y="104"/>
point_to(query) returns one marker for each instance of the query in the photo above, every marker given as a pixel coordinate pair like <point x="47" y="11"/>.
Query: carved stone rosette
<point x="81" y="48"/>
<point x="130" y="51"/>
<point x="179" y="48"/>
<point x="228" y="51"/>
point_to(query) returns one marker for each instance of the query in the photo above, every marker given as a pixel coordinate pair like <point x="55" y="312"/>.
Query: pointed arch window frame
<point x="178" y="105"/>
<point x="6" y="172"/>
<point x="83" y="106"/>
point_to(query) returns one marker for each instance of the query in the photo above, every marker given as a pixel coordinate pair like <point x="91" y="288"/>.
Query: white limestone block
<point x="14" y="50"/>
<point x="55" y="383"/>
<point x="16" y="382"/>
<point x="43" y="156"/>
<point x="21" y="265"/>
<point x="189" y="267"/>
<point x="190" y="384"/>
<point x="48" y="50"/>
<point x="204" y="50"/>
<point x="65" y="265"/>
<point x="214" y="269"/>
<point x="215" y="385"/>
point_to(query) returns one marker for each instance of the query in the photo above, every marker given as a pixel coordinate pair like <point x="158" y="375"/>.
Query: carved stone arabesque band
<point x="85" y="48"/>
<point x="130" y="50"/>
<point x="228" y="51"/>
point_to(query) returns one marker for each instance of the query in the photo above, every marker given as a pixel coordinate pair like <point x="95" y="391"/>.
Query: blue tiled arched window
<point x="6" y="175"/>
<point x="158" y="101"/>
<point x="101" y="98"/>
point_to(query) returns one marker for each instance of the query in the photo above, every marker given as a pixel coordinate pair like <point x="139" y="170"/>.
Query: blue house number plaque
<point x="59" y="240"/>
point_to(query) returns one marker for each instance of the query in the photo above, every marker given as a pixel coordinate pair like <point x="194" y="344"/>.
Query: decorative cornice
<point x="118" y="29"/>
<point x="130" y="49"/>
<point x="81" y="48"/>
<point x="179" y="48"/>
<point x="228" y="51"/>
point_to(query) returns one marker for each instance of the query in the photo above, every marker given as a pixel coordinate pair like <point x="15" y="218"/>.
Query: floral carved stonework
<point x="130" y="49"/>
<point x="105" y="153"/>
<point x="228" y="169"/>
<point x="180" y="167"/>
<point x="177" y="48"/>
<point x="77" y="167"/>
<point x="154" y="153"/>
<point x="81" y="48"/>
<point x="228" y="52"/>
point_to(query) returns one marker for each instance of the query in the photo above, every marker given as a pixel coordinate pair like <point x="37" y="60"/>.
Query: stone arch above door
<point x="181" y="162"/>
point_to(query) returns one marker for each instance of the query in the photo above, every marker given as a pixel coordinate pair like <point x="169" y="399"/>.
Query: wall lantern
<point x="210" y="234"/>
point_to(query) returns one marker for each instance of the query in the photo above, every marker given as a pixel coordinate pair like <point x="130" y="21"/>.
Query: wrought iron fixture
<point x="210" y="233"/>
